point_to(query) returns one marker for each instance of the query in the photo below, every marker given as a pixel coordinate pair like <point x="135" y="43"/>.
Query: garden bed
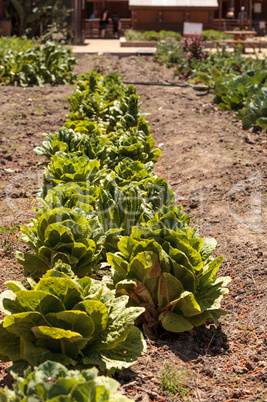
<point x="218" y="173"/>
<point x="137" y="43"/>
<point x="150" y="43"/>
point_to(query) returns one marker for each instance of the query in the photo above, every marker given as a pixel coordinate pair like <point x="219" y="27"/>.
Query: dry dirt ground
<point x="218" y="173"/>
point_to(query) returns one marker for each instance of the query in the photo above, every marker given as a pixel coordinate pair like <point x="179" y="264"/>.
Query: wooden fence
<point x="228" y="24"/>
<point x="91" y="28"/>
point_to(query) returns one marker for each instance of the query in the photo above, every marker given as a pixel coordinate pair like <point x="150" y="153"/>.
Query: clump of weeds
<point x="171" y="382"/>
<point x="8" y="238"/>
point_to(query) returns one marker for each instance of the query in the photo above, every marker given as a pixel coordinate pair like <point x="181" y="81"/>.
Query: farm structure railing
<point x="91" y="28"/>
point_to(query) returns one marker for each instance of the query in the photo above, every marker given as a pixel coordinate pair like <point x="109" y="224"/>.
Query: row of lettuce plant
<point x="27" y="62"/>
<point x="238" y="83"/>
<point x="245" y="93"/>
<point x="53" y="382"/>
<point x="104" y="209"/>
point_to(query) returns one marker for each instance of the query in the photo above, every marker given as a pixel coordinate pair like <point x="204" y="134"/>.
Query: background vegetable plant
<point x="235" y="80"/>
<point x="255" y="110"/>
<point x="25" y="62"/>
<point x="235" y="91"/>
<point x="131" y="35"/>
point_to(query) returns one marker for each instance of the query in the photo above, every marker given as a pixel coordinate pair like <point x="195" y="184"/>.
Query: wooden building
<point x="91" y="12"/>
<point x="158" y="14"/>
<point x="120" y="6"/>
<point x="171" y="14"/>
<point x="5" y="27"/>
<point x="256" y="12"/>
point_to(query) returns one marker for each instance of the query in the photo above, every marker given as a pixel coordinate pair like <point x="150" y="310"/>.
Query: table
<point x="241" y="36"/>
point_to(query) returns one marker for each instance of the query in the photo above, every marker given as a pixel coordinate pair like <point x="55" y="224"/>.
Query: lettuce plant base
<point x="218" y="172"/>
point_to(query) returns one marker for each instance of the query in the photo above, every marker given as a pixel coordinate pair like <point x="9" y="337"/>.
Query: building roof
<point x="174" y="3"/>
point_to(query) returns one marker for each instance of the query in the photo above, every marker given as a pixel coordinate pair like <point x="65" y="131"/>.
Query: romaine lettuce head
<point x="173" y="276"/>
<point x="73" y="195"/>
<point x="61" y="234"/>
<point x="68" y="320"/>
<point x="52" y="381"/>
<point x="66" y="167"/>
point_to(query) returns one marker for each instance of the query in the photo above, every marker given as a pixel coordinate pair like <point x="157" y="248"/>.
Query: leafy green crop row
<point x="132" y="35"/>
<point x="238" y="83"/>
<point x="26" y="62"/>
<point x="53" y="382"/>
<point x="162" y="35"/>
<point x="104" y="209"/>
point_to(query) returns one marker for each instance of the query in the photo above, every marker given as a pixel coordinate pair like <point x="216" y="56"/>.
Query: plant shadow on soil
<point x="180" y="351"/>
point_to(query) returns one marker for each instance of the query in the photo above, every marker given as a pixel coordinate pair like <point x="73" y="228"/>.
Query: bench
<point x="246" y="44"/>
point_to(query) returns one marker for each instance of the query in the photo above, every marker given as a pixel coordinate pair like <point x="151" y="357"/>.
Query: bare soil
<point x="218" y="173"/>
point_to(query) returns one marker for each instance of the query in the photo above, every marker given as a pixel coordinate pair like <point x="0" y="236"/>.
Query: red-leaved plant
<point x="193" y="49"/>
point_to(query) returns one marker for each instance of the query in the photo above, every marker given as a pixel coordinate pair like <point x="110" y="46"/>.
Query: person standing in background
<point x="116" y="25"/>
<point x="230" y="13"/>
<point x="103" y="23"/>
<point x="242" y="17"/>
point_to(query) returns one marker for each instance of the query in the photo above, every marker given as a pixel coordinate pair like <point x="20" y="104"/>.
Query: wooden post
<point x="2" y="14"/>
<point x="220" y="9"/>
<point x="250" y="14"/>
<point x="78" y="21"/>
